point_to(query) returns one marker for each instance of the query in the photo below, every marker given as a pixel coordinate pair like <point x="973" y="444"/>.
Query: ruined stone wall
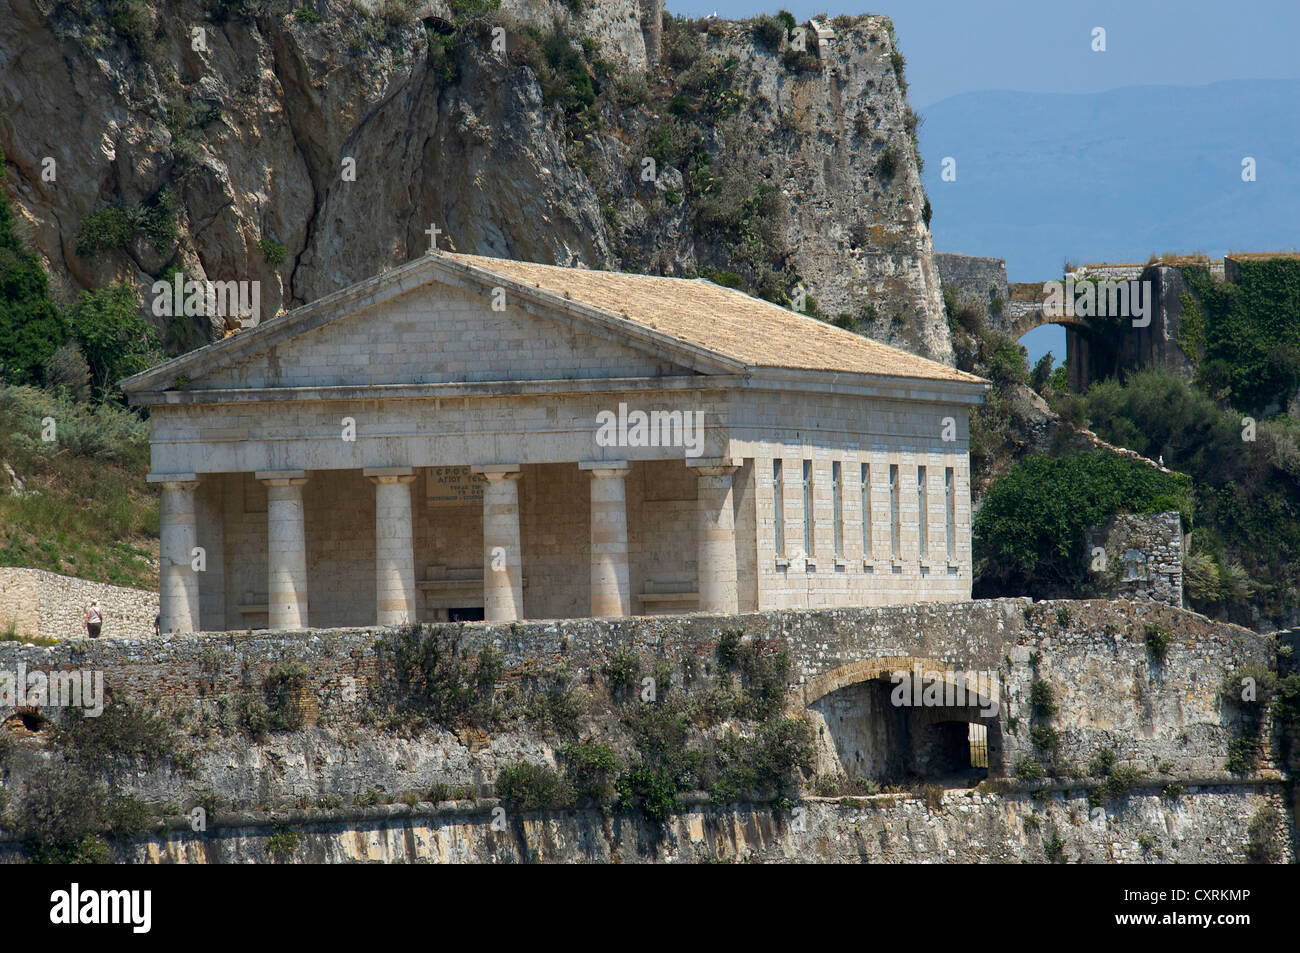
<point x="1111" y="692"/>
<point x="45" y="604"/>
<point x="1159" y="713"/>
<point x="983" y="279"/>
<point x="1138" y="556"/>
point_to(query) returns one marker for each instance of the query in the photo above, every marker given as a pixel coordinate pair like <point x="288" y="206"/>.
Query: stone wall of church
<point x="843" y="566"/>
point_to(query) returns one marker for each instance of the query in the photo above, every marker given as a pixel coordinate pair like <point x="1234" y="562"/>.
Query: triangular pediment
<point x="417" y="325"/>
<point x="437" y="334"/>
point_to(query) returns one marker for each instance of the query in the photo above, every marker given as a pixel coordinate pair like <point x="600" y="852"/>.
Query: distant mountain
<point x="1114" y="176"/>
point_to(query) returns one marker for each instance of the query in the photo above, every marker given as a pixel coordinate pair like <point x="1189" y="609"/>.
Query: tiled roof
<point x="727" y="322"/>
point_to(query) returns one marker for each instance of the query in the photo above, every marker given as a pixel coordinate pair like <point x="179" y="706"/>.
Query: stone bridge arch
<point x="899" y="718"/>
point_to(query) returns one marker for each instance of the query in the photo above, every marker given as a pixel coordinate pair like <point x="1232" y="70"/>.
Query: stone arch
<point x="867" y="729"/>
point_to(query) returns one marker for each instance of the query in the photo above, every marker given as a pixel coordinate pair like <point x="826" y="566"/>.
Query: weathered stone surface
<point x="262" y="121"/>
<point x="1162" y="718"/>
<point x="1203" y="826"/>
<point x="1141" y="557"/>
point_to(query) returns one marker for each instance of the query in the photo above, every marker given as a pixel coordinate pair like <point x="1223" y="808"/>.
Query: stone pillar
<point x="716" y="545"/>
<point x="286" y="534"/>
<point x="610" y="589"/>
<point x="178" y="589"/>
<point x="503" y="580"/>
<point x="394" y="549"/>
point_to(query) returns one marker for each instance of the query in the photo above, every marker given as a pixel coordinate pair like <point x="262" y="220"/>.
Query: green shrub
<point x="114" y="336"/>
<point x="305" y="14"/>
<point x="282" y="686"/>
<point x="531" y="787"/>
<point x="888" y="162"/>
<point x="768" y="32"/>
<point x="1004" y="359"/>
<point x="591" y="769"/>
<point x="425" y="676"/>
<point x="767" y="764"/>
<point x="1249" y="331"/>
<point x="622" y="671"/>
<point x="1029" y="769"/>
<point x="1247" y="493"/>
<point x="554" y="708"/>
<point x="253" y="716"/>
<point x="663" y="762"/>
<point x="1042" y="699"/>
<point x="156" y="219"/>
<point x="1054" y="849"/>
<point x="1029" y="533"/>
<point x="120" y="733"/>
<point x="1044" y="738"/>
<point x="1102" y="762"/>
<point x="1263" y="846"/>
<point x="1157" y="641"/>
<point x="273" y="252"/>
<point x="103" y="231"/>
<point x="764" y="673"/>
<point x="1243" y="754"/>
<point x="283" y="843"/>
<point x="32" y="327"/>
<point x="67" y="369"/>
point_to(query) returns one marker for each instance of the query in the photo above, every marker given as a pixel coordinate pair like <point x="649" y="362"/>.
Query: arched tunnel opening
<point x="872" y="731"/>
<point x="1091" y="354"/>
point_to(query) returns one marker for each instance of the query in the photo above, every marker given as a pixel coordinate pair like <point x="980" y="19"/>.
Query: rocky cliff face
<point x="310" y="146"/>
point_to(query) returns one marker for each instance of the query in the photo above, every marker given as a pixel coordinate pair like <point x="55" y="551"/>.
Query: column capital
<point x="281" y="477"/>
<point x="715" y="466"/>
<point x="378" y="475"/>
<point x="496" y="472"/>
<point x="605" y="468"/>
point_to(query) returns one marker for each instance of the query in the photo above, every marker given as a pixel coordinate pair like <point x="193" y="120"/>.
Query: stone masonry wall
<point x="1139" y="556"/>
<point x="1110" y="691"/>
<point x="48" y="605"/>
<point x="1162" y="717"/>
<point x="980" y="278"/>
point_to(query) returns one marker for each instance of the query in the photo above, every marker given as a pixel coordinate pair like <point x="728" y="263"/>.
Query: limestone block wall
<point x="285" y="434"/>
<point x="866" y="568"/>
<point x="1109" y="691"/>
<point x="1162" y="718"/>
<point x="45" y="604"/>
<point x="1143" y="557"/>
<point x="983" y="279"/>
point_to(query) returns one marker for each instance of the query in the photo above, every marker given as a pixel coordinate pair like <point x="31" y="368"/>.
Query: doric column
<point x="503" y="580"/>
<point x="178" y="589"/>
<point x="286" y="536"/>
<point x="610" y="589"/>
<point x="394" y="550"/>
<point x="716" y="543"/>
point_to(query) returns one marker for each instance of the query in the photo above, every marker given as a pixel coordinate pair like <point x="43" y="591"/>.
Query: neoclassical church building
<point x="476" y="438"/>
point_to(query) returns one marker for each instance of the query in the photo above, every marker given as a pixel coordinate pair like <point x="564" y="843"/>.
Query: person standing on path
<point x="94" y="620"/>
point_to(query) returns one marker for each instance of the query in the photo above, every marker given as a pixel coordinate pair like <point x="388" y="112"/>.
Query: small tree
<point x="67" y="368"/>
<point x="115" y="337"/>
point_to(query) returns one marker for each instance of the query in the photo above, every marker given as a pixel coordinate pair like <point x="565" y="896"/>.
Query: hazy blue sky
<point x="960" y="46"/>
